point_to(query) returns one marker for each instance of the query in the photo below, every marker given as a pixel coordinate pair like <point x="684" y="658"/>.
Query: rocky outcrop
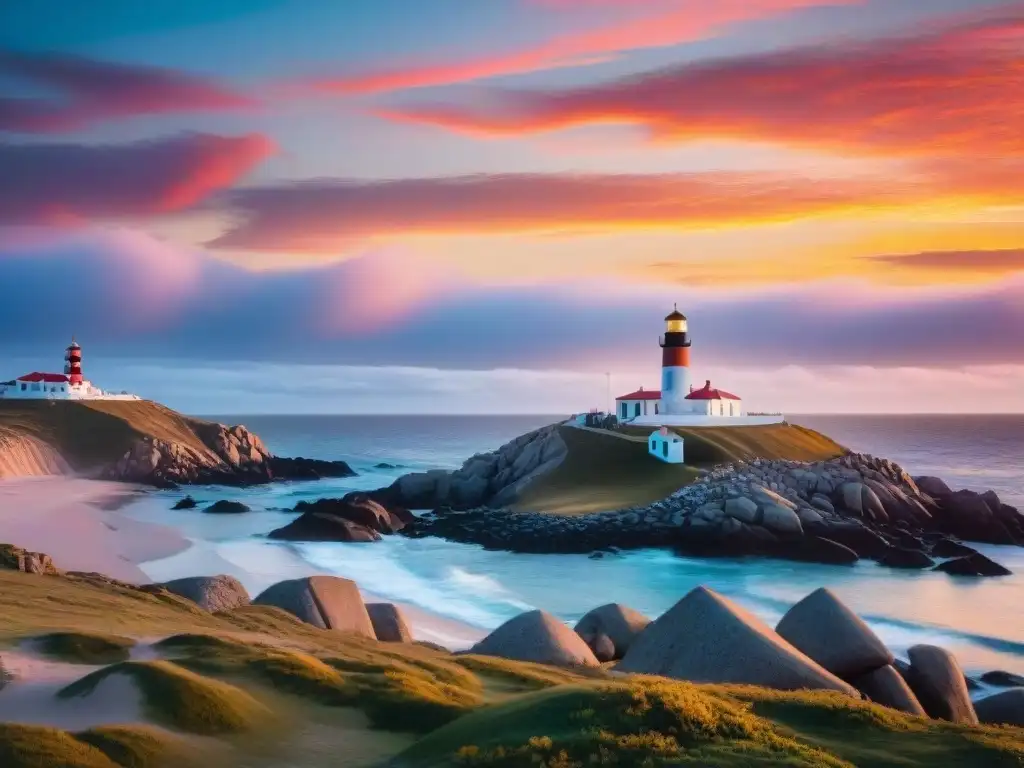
<point x="22" y="455"/>
<point x="973" y="565"/>
<point x="937" y="680"/>
<point x="227" y="507"/>
<point x="707" y="638"/>
<point x="211" y="593"/>
<point x="389" y="623"/>
<point x="327" y="602"/>
<point x="616" y="623"/>
<point x="828" y="632"/>
<point x="1003" y="679"/>
<point x="17" y="559"/>
<point x="1006" y="708"/>
<point x="220" y="455"/>
<point x="539" y="637"/>
<point x="354" y="517"/>
<point x="887" y="687"/>
<point x="494" y="479"/>
<point x="186" y="503"/>
<point x="836" y="512"/>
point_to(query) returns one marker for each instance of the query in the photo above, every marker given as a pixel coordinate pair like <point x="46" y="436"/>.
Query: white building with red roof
<point x="70" y="385"/>
<point x="679" y="403"/>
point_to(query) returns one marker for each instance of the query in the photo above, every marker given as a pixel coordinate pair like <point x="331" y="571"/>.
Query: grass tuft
<point x="33" y="746"/>
<point x="85" y="647"/>
<point x="139" y="746"/>
<point x="181" y="699"/>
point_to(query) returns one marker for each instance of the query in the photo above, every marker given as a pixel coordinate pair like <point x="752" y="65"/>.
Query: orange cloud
<point x="684" y="22"/>
<point x="959" y="90"/>
<point x="335" y="216"/>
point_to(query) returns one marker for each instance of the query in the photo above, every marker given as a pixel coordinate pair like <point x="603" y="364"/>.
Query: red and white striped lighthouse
<point x="675" y="364"/>
<point x="73" y="363"/>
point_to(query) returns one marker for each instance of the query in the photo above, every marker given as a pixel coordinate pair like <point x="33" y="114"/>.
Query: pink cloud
<point x="682" y="22"/>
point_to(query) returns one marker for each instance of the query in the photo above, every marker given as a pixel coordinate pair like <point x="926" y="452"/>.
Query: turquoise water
<point x="979" y="620"/>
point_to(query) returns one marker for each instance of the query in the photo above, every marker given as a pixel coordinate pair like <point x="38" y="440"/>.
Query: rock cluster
<point x="211" y="593"/>
<point x="354" y="517"/>
<point x="17" y="559"/>
<point x="836" y="511"/>
<point x="227" y="456"/>
<point x="494" y="479"/>
<point x="818" y="644"/>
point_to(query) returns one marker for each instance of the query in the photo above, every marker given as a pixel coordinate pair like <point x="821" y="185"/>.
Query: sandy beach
<point x="76" y="522"/>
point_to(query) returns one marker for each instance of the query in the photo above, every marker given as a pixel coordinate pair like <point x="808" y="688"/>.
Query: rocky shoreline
<point x="837" y="512"/>
<point x="840" y="511"/>
<point x="231" y="456"/>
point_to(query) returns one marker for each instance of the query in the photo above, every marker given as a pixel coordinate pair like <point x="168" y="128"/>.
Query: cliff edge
<point x="143" y="442"/>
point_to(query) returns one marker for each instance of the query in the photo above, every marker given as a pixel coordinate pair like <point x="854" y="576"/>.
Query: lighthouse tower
<point x="73" y="363"/>
<point x="675" y="365"/>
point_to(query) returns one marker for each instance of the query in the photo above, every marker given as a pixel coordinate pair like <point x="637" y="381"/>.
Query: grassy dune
<point x="30" y="746"/>
<point x="611" y="470"/>
<point x="84" y="647"/>
<point x="181" y="699"/>
<point x="92" y="434"/>
<point x="337" y="699"/>
<point x="652" y="722"/>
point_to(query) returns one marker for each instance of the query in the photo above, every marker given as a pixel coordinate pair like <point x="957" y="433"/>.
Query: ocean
<point x="981" y="620"/>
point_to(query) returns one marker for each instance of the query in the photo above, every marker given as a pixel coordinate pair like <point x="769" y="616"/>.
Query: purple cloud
<point x="94" y="91"/>
<point x="168" y="303"/>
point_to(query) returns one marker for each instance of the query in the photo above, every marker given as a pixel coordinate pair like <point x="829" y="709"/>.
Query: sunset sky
<point x="484" y="205"/>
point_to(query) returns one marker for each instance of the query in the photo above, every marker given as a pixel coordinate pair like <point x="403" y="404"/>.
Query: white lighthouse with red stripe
<point x="675" y="364"/>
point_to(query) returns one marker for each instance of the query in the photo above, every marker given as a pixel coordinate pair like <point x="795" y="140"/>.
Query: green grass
<point x="181" y="699"/>
<point x="651" y="722"/>
<point x="602" y="472"/>
<point x="31" y="746"/>
<point x="717" y="445"/>
<point x="84" y="647"/>
<point x="403" y="690"/>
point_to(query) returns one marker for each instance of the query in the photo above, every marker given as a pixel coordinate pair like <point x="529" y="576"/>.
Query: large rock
<point x="937" y="680"/>
<point x="707" y="638"/>
<point x="1002" y="679"/>
<point x="1006" y="708"/>
<point x="827" y="631"/>
<point x="860" y="500"/>
<point x="815" y="549"/>
<point x="973" y="565"/>
<point x="968" y="515"/>
<point x="539" y="637"/>
<point x="186" y="503"/>
<point x="933" y="486"/>
<point x="620" y="623"/>
<point x="389" y="623"/>
<point x="901" y="557"/>
<point x="212" y="593"/>
<point x="226" y="507"/>
<point x="327" y="602"/>
<point x="946" y="547"/>
<point x="314" y="526"/>
<point x="781" y="519"/>
<point x="742" y="509"/>
<point x="887" y="687"/>
<point x="18" y="559"/>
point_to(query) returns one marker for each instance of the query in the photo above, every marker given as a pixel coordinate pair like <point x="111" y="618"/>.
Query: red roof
<point x="642" y="394"/>
<point x="707" y="393"/>
<point x="50" y="378"/>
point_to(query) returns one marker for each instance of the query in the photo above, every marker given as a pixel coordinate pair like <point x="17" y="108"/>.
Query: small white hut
<point x="666" y="445"/>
